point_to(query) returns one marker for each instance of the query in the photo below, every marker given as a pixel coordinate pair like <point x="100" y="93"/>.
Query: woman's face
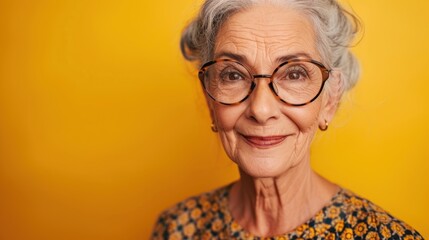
<point x="264" y="136"/>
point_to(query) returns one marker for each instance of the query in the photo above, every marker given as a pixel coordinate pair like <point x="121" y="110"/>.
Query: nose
<point x="263" y="103"/>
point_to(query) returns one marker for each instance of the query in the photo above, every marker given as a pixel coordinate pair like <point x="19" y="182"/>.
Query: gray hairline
<point x="248" y="4"/>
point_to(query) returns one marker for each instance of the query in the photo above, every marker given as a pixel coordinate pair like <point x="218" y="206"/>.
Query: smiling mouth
<point x="264" y="142"/>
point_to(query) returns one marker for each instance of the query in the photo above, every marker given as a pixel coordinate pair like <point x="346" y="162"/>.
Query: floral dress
<point x="348" y="216"/>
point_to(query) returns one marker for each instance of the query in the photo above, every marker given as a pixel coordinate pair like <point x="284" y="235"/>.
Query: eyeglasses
<point x="296" y="82"/>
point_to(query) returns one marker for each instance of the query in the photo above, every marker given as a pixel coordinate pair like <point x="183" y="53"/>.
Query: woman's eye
<point x="294" y="75"/>
<point x="234" y="76"/>
<point x="231" y="76"/>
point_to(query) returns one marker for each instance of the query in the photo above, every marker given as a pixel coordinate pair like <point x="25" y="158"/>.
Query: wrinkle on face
<point x="265" y="39"/>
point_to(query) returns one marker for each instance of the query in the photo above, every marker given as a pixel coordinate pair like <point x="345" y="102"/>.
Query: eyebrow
<point x="243" y="59"/>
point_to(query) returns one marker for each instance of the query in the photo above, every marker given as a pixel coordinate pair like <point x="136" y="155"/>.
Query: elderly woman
<point x="273" y="73"/>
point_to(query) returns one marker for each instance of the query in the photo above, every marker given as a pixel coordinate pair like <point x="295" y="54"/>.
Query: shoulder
<point x="193" y="216"/>
<point x="362" y="218"/>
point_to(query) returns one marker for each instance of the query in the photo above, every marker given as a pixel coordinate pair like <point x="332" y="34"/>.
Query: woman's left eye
<point x="296" y="73"/>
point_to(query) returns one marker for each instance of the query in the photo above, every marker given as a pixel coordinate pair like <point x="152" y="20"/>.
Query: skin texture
<point x="277" y="190"/>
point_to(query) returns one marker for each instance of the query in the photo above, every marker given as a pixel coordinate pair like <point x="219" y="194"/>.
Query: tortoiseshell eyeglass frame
<point x="325" y="76"/>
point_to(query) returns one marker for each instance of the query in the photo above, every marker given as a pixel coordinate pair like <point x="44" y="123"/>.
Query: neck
<point x="274" y="206"/>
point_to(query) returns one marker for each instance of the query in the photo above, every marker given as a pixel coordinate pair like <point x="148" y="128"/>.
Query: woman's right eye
<point x="231" y="75"/>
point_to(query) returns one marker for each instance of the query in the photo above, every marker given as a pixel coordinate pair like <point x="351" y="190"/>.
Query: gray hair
<point x="335" y="29"/>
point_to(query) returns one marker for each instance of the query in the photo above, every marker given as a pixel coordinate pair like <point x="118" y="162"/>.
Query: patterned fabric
<point x="348" y="216"/>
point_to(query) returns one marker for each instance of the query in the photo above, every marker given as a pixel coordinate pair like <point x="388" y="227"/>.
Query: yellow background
<point x="103" y="125"/>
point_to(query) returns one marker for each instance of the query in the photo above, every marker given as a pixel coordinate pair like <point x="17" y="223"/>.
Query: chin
<point x="263" y="167"/>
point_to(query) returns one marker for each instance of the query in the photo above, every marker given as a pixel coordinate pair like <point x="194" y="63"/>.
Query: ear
<point x="210" y="106"/>
<point x="331" y="99"/>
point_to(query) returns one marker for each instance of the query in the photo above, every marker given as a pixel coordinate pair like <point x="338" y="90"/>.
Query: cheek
<point x="226" y="117"/>
<point x="305" y="117"/>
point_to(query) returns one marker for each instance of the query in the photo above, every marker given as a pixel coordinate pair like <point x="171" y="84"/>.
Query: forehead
<point x="266" y="33"/>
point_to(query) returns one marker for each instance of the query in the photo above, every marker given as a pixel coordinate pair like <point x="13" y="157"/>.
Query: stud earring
<point x="324" y="128"/>
<point x="214" y="128"/>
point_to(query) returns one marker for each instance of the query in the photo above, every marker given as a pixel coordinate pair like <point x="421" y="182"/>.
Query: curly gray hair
<point x="335" y="29"/>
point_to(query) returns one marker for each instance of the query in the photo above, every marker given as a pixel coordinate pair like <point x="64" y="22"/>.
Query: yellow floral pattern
<point x="348" y="216"/>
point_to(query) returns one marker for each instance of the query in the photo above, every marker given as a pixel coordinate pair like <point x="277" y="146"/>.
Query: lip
<point x="264" y="141"/>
